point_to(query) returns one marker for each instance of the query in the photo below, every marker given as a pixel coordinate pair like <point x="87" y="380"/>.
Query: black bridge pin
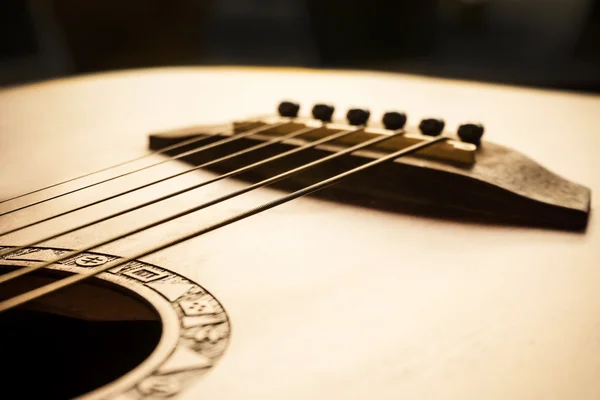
<point x="358" y="116"/>
<point x="323" y="112"/>
<point x="288" y="109"/>
<point x="432" y="126"/>
<point x="471" y="133"/>
<point x="393" y="120"/>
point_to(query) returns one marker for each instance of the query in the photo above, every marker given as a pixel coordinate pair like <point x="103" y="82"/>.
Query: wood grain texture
<point x="336" y="301"/>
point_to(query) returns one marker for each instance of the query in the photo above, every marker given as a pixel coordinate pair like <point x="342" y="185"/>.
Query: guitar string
<point x="299" y="132"/>
<point x="73" y="279"/>
<point x="207" y="164"/>
<point x="23" y="271"/>
<point x="178" y="156"/>
<point x="172" y="158"/>
<point x="161" y="151"/>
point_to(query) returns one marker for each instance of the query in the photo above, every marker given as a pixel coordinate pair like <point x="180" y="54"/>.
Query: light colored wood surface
<point x="336" y="301"/>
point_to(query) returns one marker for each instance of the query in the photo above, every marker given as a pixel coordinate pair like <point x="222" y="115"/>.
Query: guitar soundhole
<point x="74" y="341"/>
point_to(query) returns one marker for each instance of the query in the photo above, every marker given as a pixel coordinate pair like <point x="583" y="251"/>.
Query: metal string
<point x="185" y="154"/>
<point x="207" y="164"/>
<point x="23" y="271"/>
<point x="161" y="151"/>
<point x="63" y="283"/>
<point x="16" y="273"/>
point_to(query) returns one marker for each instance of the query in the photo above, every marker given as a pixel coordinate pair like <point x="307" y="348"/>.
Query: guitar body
<point x="315" y="299"/>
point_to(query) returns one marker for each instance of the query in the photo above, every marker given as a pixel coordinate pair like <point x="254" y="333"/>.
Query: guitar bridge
<point x="479" y="181"/>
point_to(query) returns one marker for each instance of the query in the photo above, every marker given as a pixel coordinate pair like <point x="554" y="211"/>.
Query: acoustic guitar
<point x="223" y="233"/>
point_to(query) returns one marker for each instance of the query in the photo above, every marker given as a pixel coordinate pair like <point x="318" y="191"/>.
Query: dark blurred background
<point x="542" y="43"/>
